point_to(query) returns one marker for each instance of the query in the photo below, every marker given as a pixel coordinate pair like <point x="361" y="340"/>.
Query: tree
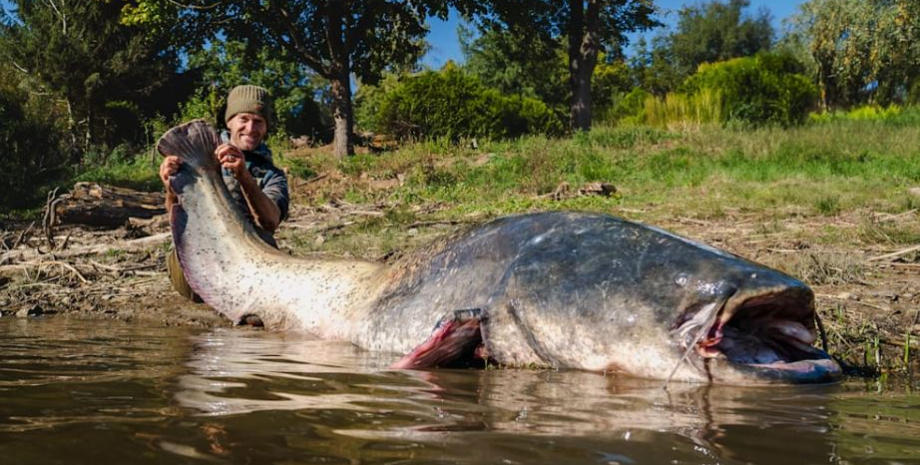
<point x="105" y="72"/>
<point x="706" y="33"/>
<point x="860" y="51"/>
<point x="334" y="38"/>
<point x="515" y="64"/>
<point x="587" y="28"/>
<point x="716" y="31"/>
<point x="651" y="66"/>
<point x="30" y="143"/>
<point x="295" y="88"/>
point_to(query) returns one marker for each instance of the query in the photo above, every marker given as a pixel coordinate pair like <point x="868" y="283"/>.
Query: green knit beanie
<point x="249" y="99"/>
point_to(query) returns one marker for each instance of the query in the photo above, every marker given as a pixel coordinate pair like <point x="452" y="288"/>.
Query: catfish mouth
<point x="767" y="338"/>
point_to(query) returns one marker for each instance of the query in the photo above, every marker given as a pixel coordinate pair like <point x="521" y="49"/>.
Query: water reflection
<point x="107" y="392"/>
<point x="505" y="413"/>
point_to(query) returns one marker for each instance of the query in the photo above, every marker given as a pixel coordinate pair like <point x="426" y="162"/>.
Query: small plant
<point x="828" y="206"/>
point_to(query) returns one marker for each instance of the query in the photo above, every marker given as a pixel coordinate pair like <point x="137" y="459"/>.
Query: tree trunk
<point x="344" y="117"/>
<point x="336" y="27"/>
<point x="583" y="51"/>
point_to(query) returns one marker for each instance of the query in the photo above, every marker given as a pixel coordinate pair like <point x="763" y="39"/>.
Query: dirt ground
<point x="868" y="297"/>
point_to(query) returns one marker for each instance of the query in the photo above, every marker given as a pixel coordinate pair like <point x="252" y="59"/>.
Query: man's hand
<point x="169" y="167"/>
<point x="233" y="159"/>
<point x="266" y="214"/>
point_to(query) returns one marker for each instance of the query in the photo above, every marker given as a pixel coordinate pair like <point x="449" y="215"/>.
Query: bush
<point x="767" y="88"/>
<point x="677" y="108"/>
<point x="627" y="108"/>
<point x="892" y="115"/>
<point x="30" y="150"/>
<point x="454" y="105"/>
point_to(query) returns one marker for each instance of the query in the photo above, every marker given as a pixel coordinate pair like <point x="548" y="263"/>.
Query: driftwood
<point x="895" y="254"/>
<point x="96" y="205"/>
<point x="125" y="246"/>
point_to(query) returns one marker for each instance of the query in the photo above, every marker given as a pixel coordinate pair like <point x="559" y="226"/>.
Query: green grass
<point x="824" y="169"/>
<point x="139" y="172"/>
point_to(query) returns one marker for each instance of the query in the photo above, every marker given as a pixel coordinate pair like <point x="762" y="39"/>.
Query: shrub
<point x="677" y="108"/>
<point x="629" y="108"/>
<point x="891" y="115"/>
<point x="454" y="105"/>
<point x="767" y="88"/>
<point x="30" y="150"/>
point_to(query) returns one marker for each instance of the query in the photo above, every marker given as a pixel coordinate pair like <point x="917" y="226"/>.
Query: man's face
<point x="247" y="130"/>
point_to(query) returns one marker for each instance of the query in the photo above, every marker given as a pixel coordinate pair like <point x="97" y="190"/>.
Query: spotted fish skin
<point x="557" y="289"/>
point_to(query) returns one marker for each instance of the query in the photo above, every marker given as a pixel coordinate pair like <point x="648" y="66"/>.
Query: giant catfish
<point x="557" y="289"/>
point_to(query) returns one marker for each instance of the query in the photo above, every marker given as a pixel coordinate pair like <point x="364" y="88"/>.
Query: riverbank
<point x="867" y="298"/>
<point x="835" y="205"/>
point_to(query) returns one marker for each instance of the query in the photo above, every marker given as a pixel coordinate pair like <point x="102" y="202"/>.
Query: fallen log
<point x="101" y="206"/>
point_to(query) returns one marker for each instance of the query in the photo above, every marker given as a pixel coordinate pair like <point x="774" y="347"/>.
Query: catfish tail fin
<point x="194" y="142"/>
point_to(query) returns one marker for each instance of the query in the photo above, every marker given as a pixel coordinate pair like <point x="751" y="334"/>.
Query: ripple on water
<point x="110" y="392"/>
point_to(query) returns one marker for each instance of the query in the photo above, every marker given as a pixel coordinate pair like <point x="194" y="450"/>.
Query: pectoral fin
<point x="454" y="341"/>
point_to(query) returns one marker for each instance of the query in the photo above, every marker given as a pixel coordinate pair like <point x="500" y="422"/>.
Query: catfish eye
<point x="681" y="279"/>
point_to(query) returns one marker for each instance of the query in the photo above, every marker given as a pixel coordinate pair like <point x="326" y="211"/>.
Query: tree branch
<point x="359" y="31"/>
<point x="195" y="7"/>
<point x="296" y="43"/>
<point x="60" y="15"/>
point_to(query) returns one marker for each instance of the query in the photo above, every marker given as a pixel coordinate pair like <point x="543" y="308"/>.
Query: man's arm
<point x="168" y="167"/>
<point x="265" y="212"/>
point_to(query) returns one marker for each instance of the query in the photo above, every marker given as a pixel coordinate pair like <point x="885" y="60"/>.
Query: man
<point x="257" y="185"/>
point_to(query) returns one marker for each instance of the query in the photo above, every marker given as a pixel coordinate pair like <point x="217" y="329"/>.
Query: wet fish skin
<point x="575" y="290"/>
<point x="557" y="289"/>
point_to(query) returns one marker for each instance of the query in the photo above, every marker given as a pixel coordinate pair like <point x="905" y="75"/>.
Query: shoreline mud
<point x="868" y="300"/>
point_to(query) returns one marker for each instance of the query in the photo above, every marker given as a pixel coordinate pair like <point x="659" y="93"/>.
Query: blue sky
<point x="445" y="44"/>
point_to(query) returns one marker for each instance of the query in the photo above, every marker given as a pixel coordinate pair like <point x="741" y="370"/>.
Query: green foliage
<point x="587" y="31"/>
<point x="513" y="63"/>
<point x="859" y="51"/>
<point x="31" y="152"/>
<point x="716" y="31"/>
<point x="454" y="105"/>
<point x="370" y="99"/>
<point x="294" y="87"/>
<point x="123" y="168"/>
<point x="105" y="72"/>
<point x="630" y="108"/>
<point x="893" y="115"/>
<point x="337" y="40"/>
<point x="707" y="32"/>
<point x="681" y="110"/>
<point x="763" y="89"/>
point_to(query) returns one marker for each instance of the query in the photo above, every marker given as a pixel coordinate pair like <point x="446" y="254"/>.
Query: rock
<point x="319" y="241"/>
<point x="30" y="311"/>
<point x="915" y="191"/>
<point x="847" y="296"/>
<point x="598" y="188"/>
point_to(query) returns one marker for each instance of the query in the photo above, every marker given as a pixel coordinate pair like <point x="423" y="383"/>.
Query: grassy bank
<point x="821" y="170"/>
<point x="821" y="202"/>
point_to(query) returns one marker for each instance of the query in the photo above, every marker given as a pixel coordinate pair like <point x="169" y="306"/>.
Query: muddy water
<point x="114" y="393"/>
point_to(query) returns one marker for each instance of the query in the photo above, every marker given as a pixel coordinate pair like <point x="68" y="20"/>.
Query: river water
<point x="90" y="392"/>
